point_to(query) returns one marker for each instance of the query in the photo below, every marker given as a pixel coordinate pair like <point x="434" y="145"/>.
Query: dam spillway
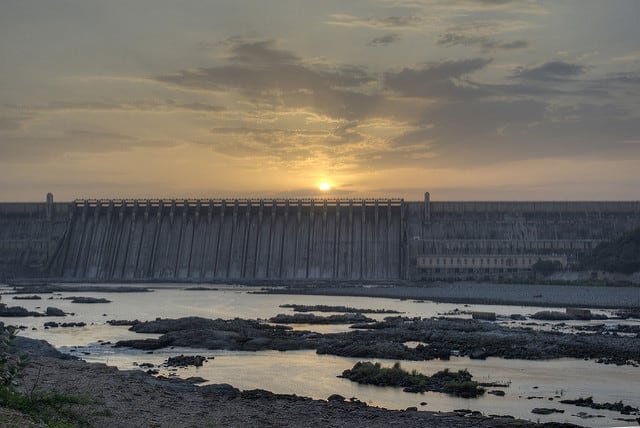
<point x="237" y="239"/>
<point x="211" y="240"/>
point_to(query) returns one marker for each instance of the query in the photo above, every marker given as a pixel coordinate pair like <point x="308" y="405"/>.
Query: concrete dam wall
<point x="298" y="239"/>
<point x="217" y="239"/>
<point x="29" y="236"/>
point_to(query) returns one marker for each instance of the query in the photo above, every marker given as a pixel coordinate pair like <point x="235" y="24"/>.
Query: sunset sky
<point x="486" y="99"/>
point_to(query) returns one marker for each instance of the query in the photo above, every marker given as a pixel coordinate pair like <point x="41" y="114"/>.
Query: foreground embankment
<point x="616" y="297"/>
<point x="133" y="398"/>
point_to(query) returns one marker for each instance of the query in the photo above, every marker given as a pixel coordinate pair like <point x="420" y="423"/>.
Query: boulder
<point x="487" y="316"/>
<point x="479" y="354"/>
<point x="551" y="316"/>
<point x="186" y="360"/>
<point x="15" y="311"/>
<point x="195" y="379"/>
<point x="222" y="389"/>
<point x="34" y="297"/>
<point x="77" y="299"/>
<point x="54" y="312"/>
<point x="123" y="322"/>
<point x="546" y="411"/>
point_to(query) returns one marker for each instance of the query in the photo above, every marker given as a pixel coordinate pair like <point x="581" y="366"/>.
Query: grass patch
<point x="53" y="409"/>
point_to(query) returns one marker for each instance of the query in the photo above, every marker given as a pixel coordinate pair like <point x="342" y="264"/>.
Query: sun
<point x="325" y="186"/>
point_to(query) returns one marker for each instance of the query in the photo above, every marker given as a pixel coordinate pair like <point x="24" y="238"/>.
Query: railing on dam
<point x="80" y="204"/>
<point x="535" y="207"/>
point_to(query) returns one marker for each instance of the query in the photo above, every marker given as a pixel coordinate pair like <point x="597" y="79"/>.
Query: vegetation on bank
<point x="619" y="255"/>
<point x="458" y="383"/>
<point x="547" y="267"/>
<point x="53" y="409"/>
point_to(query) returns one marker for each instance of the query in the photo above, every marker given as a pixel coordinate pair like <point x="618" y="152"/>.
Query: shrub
<point x="456" y="383"/>
<point x="50" y="408"/>
<point x="547" y="267"/>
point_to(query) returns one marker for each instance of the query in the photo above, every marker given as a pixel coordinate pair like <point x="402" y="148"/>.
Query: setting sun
<point x="325" y="186"/>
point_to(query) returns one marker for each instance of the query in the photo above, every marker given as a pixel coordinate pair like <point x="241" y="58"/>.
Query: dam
<point x="297" y="239"/>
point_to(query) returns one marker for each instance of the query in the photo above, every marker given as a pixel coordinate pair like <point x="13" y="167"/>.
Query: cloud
<point x="313" y="192"/>
<point x="437" y="80"/>
<point x="161" y="106"/>
<point x="259" y="71"/>
<point x="389" y="22"/>
<point x="384" y="40"/>
<point x="483" y="132"/>
<point x="455" y="8"/>
<point x="260" y="52"/>
<point x="471" y="121"/>
<point x="29" y="146"/>
<point x="516" y="44"/>
<point x="12" y="122"/>
<point x="349" y="146"/>
<point x="626" y="80"/>
<point x="594" y="124"/>
<point x="487" y="44"/>
<point x="435" y="113"/>
<point x="96" y="135"/>
<point x="550" y="71"/>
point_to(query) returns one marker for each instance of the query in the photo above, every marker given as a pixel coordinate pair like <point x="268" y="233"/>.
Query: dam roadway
<point x="291" y="239"/>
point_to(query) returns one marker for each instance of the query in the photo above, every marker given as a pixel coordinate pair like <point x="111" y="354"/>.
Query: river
<point x="308" y="374"/>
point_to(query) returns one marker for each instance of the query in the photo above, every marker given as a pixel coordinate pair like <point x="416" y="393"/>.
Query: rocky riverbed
<point x="439" y="338"/>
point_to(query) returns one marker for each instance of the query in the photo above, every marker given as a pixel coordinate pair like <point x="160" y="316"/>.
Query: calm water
<point x="308" y="374"/>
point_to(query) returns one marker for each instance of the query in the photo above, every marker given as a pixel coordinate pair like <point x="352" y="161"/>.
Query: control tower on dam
<point x="298" y="239"/>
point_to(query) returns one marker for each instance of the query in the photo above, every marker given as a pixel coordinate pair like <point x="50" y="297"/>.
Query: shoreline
<point x="135" y="398"/>
<point x="536" y="295"/>
<point x="593" y="297"/>
<point x="27" y="281"/>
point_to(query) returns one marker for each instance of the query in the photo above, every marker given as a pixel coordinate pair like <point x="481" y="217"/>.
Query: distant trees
<point x="620" y="255"/>
<point x="547" y="267"/>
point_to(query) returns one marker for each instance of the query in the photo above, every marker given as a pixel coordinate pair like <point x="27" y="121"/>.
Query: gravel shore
<point x="136" y="399"/>
<point x="133" y="398"/>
